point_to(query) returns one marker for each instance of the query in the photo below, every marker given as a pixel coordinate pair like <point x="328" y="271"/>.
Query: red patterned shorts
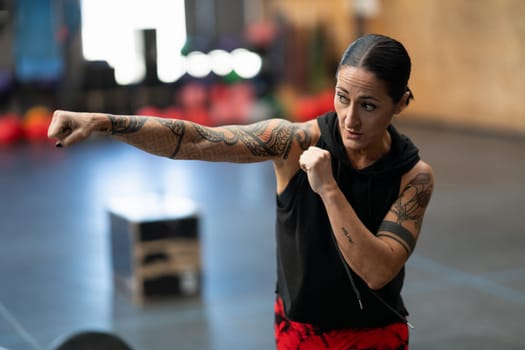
<point x="290" y="335"/>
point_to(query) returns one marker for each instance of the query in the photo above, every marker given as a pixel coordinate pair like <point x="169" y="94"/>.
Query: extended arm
<point x="271" y="139"/>
<point x="376" y="259"/>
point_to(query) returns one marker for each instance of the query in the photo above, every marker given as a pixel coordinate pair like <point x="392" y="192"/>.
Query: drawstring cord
<point x="348" y="272"/>
<point x="358" y="294"/>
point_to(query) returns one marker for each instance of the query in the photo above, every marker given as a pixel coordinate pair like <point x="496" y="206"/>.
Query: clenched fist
<point x="72" y="127"/>
<point x="317" y="164"/>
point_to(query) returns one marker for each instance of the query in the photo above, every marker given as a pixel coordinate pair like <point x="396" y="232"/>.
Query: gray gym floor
<point x="465" y="285"/>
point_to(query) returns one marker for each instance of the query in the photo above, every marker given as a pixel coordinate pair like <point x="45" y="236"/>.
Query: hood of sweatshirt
<point x="403" y="154"/>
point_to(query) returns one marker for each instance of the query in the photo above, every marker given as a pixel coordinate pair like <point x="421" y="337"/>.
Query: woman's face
<point x="364" y="108"/>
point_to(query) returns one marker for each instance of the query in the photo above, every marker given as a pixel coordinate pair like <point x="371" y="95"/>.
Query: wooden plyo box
<point x="155" y="248"/>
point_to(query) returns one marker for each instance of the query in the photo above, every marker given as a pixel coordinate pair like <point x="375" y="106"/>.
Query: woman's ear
<point x="403" y="102"/>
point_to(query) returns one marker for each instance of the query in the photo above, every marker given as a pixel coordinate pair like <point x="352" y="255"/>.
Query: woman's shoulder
<point x="420" y="174"/>
<point x="312" y="128"/>
<point x="302" y="135"/>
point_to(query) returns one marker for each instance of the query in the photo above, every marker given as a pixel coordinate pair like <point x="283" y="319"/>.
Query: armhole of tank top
<point x="286" y="196"/>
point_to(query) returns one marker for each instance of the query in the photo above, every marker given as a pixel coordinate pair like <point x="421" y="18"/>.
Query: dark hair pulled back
<point x="387" y="58"/>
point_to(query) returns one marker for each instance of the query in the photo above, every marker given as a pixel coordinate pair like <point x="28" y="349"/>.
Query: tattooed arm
<point x="273" y="139"/>
<point x="377" y="259"/>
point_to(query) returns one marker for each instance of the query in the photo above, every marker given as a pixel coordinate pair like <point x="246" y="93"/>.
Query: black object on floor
<point x="90" y="340"/>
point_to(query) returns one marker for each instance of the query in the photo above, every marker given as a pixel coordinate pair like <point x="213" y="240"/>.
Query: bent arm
<point x="271" y="139"/>
<point x="377" y="259"/>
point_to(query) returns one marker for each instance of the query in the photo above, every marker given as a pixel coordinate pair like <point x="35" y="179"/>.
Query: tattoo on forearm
<point x="421" y="186"/>
<point x="126" y="125"/>
<point x="177" y="128"/>
<point x="260" y="138"/>
<point x="347" y="235"/>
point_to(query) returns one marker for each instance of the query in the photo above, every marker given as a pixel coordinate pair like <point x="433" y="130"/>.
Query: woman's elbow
<point x="377" y="281"/>
<point x="376" y="285"/>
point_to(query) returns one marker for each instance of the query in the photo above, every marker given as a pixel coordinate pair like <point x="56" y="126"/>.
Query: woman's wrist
<point x="330" y="193"/>
<point x="102" y="122"/>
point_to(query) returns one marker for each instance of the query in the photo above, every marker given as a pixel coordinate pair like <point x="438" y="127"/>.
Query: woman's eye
<point x="342" y="98"/>
<point x="368" y="107"/>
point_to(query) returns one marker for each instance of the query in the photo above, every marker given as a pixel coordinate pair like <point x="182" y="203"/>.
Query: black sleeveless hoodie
<point x="311" y="278"/>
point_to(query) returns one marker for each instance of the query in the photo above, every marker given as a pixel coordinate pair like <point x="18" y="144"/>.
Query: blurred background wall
<point x="467" y="59"/>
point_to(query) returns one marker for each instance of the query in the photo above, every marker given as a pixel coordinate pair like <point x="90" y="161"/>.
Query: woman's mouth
<point x="352" y="134"/>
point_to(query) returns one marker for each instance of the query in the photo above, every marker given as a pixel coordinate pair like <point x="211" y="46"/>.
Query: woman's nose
<point x="351" y="119"/>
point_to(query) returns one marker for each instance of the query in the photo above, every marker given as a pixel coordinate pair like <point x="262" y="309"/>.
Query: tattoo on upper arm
<point x="125" y="125"/>
<point x="261" y="139"/>
<point x="398" y="233"/>
<point x="347" y="235"/>
<point x="421" y="189"/>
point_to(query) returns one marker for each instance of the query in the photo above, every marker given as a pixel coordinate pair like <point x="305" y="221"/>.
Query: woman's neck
<point x="365" y="157"/>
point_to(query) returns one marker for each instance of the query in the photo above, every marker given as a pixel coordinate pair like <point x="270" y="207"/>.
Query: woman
<point x="351" y="196"/>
